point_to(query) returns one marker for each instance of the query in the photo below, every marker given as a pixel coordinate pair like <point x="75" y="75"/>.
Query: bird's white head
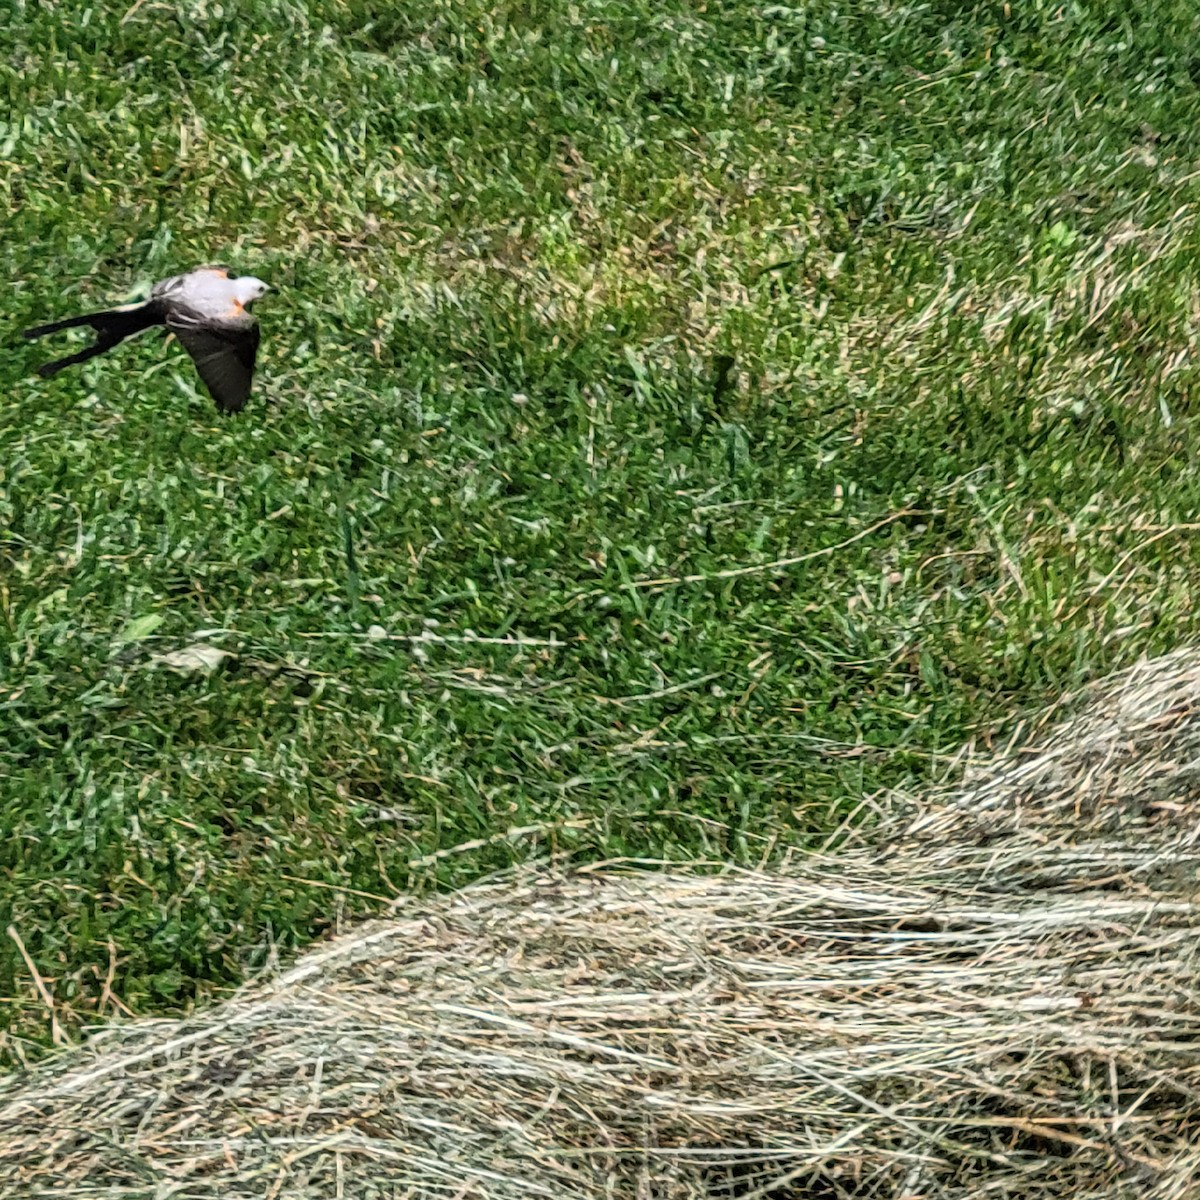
<point x="248" y="289"/>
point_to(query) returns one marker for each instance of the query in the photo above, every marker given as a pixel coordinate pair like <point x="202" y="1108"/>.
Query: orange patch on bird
<point x="236" y="310"/>
<point x="219" y="272"/>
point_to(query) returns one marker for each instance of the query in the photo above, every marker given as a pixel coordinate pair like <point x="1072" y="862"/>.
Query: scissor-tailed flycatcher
<point x="205" y="309"/>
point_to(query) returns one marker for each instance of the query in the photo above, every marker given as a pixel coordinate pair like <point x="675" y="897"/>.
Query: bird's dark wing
<point x="223" y="354"/>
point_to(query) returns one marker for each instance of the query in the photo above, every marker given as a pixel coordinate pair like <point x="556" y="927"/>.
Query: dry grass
<point x="993" y="993"/>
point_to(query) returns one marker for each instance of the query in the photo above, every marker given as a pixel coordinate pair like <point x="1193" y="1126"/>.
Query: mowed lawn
<point x="677" y="422"/>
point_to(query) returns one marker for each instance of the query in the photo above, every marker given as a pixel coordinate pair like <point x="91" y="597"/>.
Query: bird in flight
<point x="206" y="309"/>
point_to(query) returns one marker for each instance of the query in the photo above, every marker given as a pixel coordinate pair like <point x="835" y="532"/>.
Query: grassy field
<point x="676" y="421"/>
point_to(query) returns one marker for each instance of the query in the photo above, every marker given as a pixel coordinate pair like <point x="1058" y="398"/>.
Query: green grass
<point x="571" y="297"/>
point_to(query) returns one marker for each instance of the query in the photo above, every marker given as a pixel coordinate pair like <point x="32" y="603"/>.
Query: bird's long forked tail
<point x="112" y="327"/>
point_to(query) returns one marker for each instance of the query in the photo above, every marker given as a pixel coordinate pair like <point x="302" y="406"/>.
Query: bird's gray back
<point x="208" y="292"/>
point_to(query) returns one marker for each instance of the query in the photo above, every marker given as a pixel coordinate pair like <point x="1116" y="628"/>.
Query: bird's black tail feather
<point x="112" y="327"/>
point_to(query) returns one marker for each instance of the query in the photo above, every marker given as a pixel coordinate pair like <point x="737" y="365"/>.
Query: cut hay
<point x="993" y="994"/>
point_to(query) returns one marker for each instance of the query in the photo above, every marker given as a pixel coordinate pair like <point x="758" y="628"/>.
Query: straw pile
<point x="993" y="994"/>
